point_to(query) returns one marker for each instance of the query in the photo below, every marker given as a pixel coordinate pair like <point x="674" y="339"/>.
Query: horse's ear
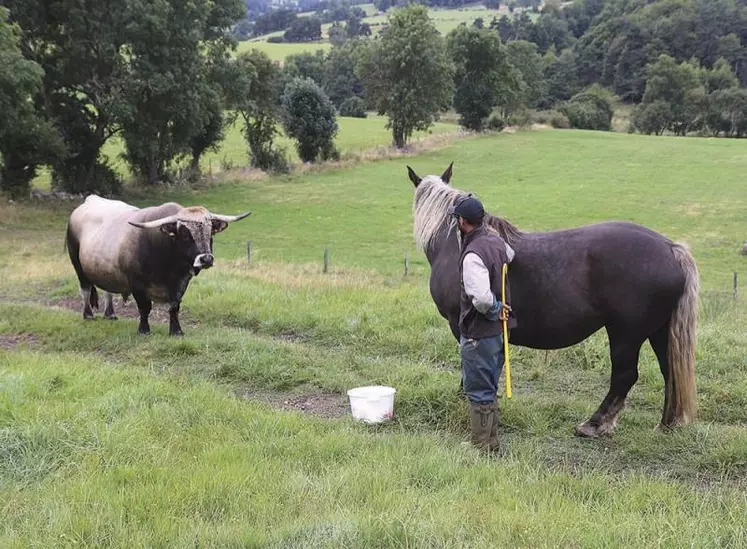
<point x="446" y="177"/>
<point x="413" y="176"/>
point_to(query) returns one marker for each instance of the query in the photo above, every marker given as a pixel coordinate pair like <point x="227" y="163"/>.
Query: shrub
<point x="559" y="121"/>
<point x="651" y="118"/>
<point x="496" y="123"/>
<point x="276" y="40"/>
<point x="309" y="118"/>
<point x="589" y="110"/>
<point x="71" y="176"/>
<point x="272" y="160"/>
<point x="521" y="119"/>
<point x="354" y="107"/>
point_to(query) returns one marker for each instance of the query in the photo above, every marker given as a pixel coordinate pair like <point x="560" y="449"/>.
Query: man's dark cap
<point x="469" y="208"/>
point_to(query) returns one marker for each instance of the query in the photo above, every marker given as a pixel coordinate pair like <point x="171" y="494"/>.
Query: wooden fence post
<point x="326" y="259"/>
<point x="736" y="287"/>
<point x="249" y="251"/>
<point x="407" y="264"/>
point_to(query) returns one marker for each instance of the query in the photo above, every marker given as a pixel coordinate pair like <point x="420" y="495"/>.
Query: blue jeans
<point x="482" y="364"/>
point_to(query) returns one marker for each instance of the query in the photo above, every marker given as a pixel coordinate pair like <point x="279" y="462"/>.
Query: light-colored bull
<point x="149" y="253"/>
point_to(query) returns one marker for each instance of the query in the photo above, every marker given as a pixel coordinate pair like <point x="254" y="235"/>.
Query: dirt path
<point x="325" y="405"/>
<point x="320" y="404"/>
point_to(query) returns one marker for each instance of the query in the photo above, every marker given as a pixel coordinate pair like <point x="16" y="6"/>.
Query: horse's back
<point x="566" y="284"/>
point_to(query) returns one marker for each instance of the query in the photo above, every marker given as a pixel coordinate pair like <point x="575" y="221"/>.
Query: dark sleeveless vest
<point x="491" y="248"/>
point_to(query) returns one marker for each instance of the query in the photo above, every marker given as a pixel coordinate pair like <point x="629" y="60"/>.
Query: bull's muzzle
<point x="204" y="261"/>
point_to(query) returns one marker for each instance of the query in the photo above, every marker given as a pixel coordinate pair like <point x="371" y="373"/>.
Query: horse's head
<point x="433" y="226"/>
<point x="416" y="180"/>
<point x="431" y="202"/>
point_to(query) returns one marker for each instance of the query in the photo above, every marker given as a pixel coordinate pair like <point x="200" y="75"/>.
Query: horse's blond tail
<point x="683" y="328"/>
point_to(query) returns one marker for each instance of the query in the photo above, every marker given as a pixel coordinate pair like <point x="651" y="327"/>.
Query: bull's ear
<point x="446" y="177"/>
<point x="218" y="225"/>
<point x="169" y="229"/>
<point x="413" y="176"/>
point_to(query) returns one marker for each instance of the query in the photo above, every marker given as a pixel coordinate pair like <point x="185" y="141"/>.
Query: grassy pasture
<point x="355" y="137"/>
<point x="443" y="19"/>
<point x="279" y="51"/>
<point x="110" y="439"/>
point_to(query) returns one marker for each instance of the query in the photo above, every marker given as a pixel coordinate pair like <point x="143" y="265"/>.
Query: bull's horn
<point x="230" y="218"/>
<point x="154" y="224"/>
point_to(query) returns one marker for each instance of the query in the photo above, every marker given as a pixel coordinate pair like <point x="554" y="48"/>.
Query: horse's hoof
<point x="586" y="430"/>
<point x="663" y="428"/>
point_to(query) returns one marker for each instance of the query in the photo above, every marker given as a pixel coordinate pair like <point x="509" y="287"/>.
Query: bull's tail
<point x="683" y="328"/>
<point x="89" y="293"/>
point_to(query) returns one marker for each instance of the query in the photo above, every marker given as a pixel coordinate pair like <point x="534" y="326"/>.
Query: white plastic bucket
<point x="372" y="404"/>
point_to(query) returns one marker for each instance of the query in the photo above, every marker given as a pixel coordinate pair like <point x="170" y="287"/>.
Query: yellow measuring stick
<point x="505" y="332"/>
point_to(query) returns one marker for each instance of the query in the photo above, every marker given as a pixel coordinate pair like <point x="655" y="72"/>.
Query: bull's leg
<point x="109" y="311"/>
<point x="175" y="328"/>
<point x="85" y="293"/>
<point x="144" y="306"/>
<point x="87" y="289"/>
<point x="624" y="351"/>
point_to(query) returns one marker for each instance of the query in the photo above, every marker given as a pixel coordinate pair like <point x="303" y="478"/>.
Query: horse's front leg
<point x="624" y="351"/>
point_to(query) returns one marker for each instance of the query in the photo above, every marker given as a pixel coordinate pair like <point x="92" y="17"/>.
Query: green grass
<point x="110" y="439"/>
<point x="355" y="137"/>
<point x="443" y="19"/>
<point x="278" y="52"/>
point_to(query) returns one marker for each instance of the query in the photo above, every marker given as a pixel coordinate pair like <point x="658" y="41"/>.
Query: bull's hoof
<point x="176" y="333"/>
<point x="87" y="317"/>
<point x="144" y="331"/>
<point x="112" y="317"/>
<point x="587" y="430"/>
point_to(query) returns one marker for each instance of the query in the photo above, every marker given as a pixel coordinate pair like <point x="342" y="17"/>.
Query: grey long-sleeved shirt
<point x="477" y="280"/>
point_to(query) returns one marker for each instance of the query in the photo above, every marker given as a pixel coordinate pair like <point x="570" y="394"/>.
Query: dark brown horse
<point x="565" y="285"/>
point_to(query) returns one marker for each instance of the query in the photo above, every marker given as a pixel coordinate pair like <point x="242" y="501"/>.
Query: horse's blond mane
<point x="430" y="207"/>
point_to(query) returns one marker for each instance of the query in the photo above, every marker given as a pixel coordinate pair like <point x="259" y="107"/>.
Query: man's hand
<point x="505" y="312"/>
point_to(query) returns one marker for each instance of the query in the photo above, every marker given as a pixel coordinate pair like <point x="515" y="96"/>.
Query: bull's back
<point x="108" y="244"/>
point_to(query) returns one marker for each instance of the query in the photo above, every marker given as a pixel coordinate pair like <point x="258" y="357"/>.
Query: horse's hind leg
<point x="624" y="351"/>
<point x="660" y="344"/>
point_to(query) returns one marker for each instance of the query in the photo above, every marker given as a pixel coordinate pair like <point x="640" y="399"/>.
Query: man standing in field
<point x="481" y="343"/>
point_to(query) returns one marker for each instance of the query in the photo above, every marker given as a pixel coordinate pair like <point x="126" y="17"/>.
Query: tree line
<point x="164" y="77"/>
<point x="161" y="76"/>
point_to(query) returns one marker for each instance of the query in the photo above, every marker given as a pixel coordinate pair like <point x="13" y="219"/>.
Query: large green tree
<point x="407" y="74"/>
<point x="26" y="138"/>
<point x="174" y="47"/>
<point x="309" y="118"/>
<point x="79" y="44"/>
<point x="340" y="81"/>
<point x="523" y="57"/>
<point x="255" y="96"/>
<point x="482" y="74"/>
<point x="674" y="91"/>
